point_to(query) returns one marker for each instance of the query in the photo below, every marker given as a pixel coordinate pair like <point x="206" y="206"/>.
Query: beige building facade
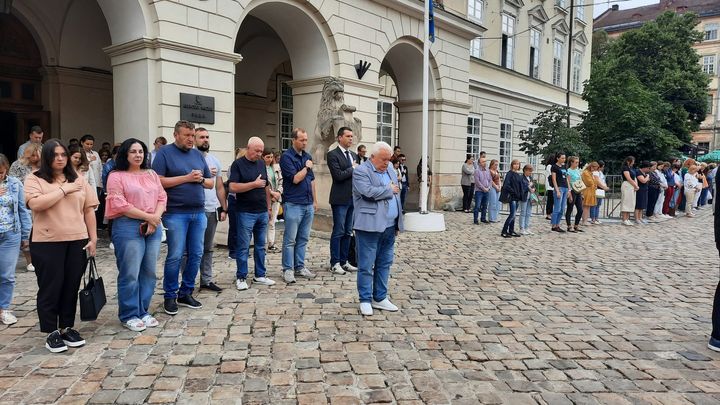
<point x="117" y="69"/>
<point x="615" y="21"/>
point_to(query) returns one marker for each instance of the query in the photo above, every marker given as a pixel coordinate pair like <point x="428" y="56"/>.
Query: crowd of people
<point x="56" y="196"/>
<point x="650" y="191"/>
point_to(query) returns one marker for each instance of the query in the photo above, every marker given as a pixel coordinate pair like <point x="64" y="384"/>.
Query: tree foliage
<point x="646" y="92"/>
<point x="551" y="135"/>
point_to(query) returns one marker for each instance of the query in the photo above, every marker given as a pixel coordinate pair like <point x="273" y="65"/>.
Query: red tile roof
<point x="621" y="20"/>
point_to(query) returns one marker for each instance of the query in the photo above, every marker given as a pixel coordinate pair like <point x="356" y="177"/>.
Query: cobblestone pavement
<point x="614" y="315"/>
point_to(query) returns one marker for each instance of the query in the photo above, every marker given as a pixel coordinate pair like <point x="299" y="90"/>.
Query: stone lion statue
<point x="333" y="115"/>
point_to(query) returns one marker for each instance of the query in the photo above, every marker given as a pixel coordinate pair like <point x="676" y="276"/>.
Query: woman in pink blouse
<point x="135" y="202"/>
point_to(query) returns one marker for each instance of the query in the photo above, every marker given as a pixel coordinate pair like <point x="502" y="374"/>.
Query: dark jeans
<point x="59" y="267"/>
<point x="341" y="233"/>
<point x="549" y="202"/>
<point x="232" y="227"/>
<point x="509" y="226"/>
<point x="577" y="202"/>
<point x="467" y="196"/>
<point x="653" y="195"/>
<point x="403" y="194"/>
<point x="481" y="205"/>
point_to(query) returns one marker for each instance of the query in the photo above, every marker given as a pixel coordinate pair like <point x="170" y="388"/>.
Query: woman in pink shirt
<point x="135" y="202"/>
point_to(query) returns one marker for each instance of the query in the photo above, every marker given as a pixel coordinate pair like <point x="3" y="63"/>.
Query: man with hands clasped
<point x="253" y="207"/>
<point x="341" y="163"/>
<point x="184" y="174"/>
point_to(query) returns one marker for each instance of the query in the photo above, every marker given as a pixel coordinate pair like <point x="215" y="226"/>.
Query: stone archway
<point x="401" y="78"/>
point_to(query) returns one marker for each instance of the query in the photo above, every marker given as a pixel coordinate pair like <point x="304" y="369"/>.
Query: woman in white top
<point x="692" y="186"/>
<point x="660" y="172"/>
<point x="549" y="190"/>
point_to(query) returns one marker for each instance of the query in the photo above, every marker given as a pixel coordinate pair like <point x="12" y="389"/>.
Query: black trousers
<point x="577" y="202"/>
<point x="653" y="195"/>
<point x="549" y="202"/>
<point x="716" y="314"/>
<point x="467" y="196"/>
<point x="59" y="267"/>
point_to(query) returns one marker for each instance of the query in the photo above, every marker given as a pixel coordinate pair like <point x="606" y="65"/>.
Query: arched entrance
<point x="400" y="106"/>
<point x="286" y="53"/>
<point x="61" y="80"/>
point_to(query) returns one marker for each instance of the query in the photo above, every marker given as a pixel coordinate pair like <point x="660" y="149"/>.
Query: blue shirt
<point x="171" y="161"/>
<point x="291" y="163"/>
<point x="392" y="215"/>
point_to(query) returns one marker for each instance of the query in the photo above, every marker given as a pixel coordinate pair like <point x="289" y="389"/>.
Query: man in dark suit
<point x="714" y="343"/>
<point x="341" y="163"/>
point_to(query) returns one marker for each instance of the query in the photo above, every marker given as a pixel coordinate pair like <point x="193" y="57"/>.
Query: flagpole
<point x="425" y="106"/>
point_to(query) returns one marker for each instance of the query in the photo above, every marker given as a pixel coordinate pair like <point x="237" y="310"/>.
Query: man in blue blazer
<point x="341" y="163"/>
<point x="377" y="219"/>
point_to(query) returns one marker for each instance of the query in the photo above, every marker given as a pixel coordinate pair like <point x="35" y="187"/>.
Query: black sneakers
<point x="189" y="301"/>
<point x="210" y="286"/>
<point x="170" y="306"/>
<point x="54" y="343"/>
<point x="72" y="338"/>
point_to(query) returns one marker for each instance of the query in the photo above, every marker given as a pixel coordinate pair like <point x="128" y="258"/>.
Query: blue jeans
<point x="481" y="204"/>
<point x="493" y="204"/>
<point x="559" y="205"/>
<point x="375" y="256"/>
<point x="298" y="220"/>
<point x="251" y="225"/>
<point x="509" y="226"/>
<point x="595" y="211"/>
<point x="136" y="257"/>
<point x="185" y="234"/>
<point x="525" y="213"/>
<point x="9" y="250"/>
<point x="341" y="233"/>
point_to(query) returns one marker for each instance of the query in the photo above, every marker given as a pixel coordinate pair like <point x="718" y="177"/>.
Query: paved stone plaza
<point x="614" y="315"/>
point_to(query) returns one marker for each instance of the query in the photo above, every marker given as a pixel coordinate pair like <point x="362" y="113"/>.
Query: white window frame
<point x="476" y="8"/>
<point x="558" y="51"/>
<point x="711" y="103"/>
<point x="580" y="10"/>
<point x="532" y="159"/>
<point x="708" y="63"/>
<point x="535" y="41"/>
<point x="711" y="31"/>
<point x="505" y="145"/>
<point x="476" y="49"/>
<point x="285" y="111"/>
<point x="577" y="71"/>
<point x="508" y="29"/>
<point x="473" y="144"/>
<point x="381" y="123"/>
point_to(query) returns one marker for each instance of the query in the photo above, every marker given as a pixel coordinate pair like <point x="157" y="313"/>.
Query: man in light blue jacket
<point x="377" y="218"/>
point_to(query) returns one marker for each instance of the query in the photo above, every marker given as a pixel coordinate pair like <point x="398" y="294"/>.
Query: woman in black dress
<point x="641" y="197"/>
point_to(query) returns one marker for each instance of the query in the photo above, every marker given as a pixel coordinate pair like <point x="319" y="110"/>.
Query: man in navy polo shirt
<point x="184" y="174"/>
<point x="300" y="202"/>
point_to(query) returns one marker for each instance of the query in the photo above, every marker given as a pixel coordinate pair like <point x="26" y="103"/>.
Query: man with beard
<point x="215" y="209"/>
<point x="184" y="174"/>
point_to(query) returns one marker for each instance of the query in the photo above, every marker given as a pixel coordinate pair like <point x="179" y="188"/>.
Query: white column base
<point x="430" y="222"/>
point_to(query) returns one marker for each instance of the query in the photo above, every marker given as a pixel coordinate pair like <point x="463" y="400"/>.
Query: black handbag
<point x="92" y="296"/>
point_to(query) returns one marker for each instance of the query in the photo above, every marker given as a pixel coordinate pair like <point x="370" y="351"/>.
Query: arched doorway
<point x="286" y="52"/>
<point x="400" y="107"/>
<point x="63" y="81"/>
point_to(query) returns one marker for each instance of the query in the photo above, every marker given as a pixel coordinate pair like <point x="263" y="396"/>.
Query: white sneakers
<point x="30" y="267"/>
<point x="7" y="317"/>
<point x="338" y="269"/>
<point x="627" y="222"/>
<point x="242" y="284"/>
<point x="526" y="232"/>
<point x="135" y="325"/>
<point x="150" y="321"/>
<point x="349" y="267"/>
<point x="366" y="308"/>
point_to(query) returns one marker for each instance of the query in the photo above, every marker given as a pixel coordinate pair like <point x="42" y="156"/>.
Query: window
<point x="711" y="32"/>
<point x="385" y="121"/>
<point x="580" y="10"/>
<point x="286" y="116"/>
<point x="709" y="64"/>
<point x="561" y="3"/>
<point x="476" y="47"/>
<point x="710" y="104"/>
<point x="505" y="146"/>
<point x="508" y="41"/>
<point x="576" y="72"/>
<point x="534" y="53"/>
<point x="557" y="62"/>
<point x="532" y="159"/>
<point x="474" y="136"/>
<point x="703" y="147"/>
<point x="475" y="9"/>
